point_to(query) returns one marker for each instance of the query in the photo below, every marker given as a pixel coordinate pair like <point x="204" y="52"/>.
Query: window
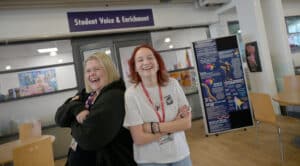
<point x="293" y="29"/>
<point x="36" y="68"/>
<point x="233" y="27"/>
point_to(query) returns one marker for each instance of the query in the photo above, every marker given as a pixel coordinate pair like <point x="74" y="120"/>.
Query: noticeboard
<point x="223" y="87"/>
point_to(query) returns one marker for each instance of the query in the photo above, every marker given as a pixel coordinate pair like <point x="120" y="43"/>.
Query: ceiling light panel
<point x="47" y="50"/>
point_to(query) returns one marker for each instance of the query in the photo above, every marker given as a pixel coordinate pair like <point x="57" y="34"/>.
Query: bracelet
<point x="155" y="127"/>
<point x="151" y="125"/>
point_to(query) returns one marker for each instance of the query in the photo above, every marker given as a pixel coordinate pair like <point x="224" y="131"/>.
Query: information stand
<point x="223" y="87"/>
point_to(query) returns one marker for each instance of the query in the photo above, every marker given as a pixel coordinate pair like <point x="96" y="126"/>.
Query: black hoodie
<point x="103" y="130"/>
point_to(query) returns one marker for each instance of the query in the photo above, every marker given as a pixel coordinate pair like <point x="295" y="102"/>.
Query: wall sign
<point x="222" y="84"/>
<point x="101" y="20"/>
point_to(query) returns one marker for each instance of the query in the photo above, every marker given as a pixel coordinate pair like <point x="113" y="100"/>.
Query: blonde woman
<point x="95" y="117"/>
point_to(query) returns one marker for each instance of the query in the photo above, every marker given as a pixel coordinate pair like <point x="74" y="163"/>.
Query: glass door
<point x="119" y="47"/>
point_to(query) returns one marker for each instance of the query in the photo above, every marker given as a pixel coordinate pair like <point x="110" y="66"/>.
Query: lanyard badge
<point x="166" y="138"/>
<point x="155" y="109"/>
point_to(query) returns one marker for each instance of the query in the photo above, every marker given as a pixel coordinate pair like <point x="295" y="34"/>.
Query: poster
<point x="36" y="82"/>
<point x="252" y="57"/>
<point x="223" y="88"/>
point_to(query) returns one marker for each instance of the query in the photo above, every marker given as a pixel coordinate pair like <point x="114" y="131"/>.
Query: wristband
<point x="151" y="126"/>
<point x="155" y="127"/>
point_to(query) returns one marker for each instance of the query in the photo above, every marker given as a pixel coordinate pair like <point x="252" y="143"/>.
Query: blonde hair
<point x="109" y="68"/>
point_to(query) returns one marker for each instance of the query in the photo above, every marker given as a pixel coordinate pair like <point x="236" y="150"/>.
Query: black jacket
<point x="102" y="130"/>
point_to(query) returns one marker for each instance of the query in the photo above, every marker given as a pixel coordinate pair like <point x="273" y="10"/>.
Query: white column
<point x="277" y="38"/>
<point x="253" y="28"/>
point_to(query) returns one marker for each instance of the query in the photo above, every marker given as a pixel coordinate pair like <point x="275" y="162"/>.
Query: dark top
<point x="102" y="130"/>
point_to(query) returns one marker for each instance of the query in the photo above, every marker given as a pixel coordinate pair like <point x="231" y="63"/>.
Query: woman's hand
<point x="75" y="98"/>
<point x="183" y="112"/>
<point x="82" y="116"/>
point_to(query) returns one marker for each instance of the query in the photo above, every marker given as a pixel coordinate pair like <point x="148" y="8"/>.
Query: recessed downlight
<point x="60" y="61"/>
<point x="8" y="67"/>
<point x="107" y="52"/>
<point x="167" y="40"/>
<point x="53" y="53"/>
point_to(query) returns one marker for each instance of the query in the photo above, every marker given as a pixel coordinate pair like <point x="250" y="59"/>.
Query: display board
<point x="223" y="87"/>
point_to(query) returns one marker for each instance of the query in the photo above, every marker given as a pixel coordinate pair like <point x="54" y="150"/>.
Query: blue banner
<point x="101" y="20"/>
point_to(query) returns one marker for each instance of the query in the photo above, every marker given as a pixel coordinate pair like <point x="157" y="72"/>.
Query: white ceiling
<point x="9" y="4"/>
<point x="6" y="51"/>
<point x="21" y="4"/>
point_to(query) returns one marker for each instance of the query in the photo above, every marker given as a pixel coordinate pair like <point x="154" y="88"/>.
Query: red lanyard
<point x="152" y="104"/>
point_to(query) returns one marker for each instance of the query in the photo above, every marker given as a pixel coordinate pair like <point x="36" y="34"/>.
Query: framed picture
<point x="252" y="57"/>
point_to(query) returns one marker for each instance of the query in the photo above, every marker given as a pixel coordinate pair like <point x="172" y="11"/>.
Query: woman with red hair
<point x="157" y="112"/>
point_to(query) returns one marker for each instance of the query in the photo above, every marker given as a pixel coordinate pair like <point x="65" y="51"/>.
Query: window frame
<point x="297" y="47"/>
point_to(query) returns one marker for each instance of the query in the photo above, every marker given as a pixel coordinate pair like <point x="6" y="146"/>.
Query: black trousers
<point x="81" y="157"/>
